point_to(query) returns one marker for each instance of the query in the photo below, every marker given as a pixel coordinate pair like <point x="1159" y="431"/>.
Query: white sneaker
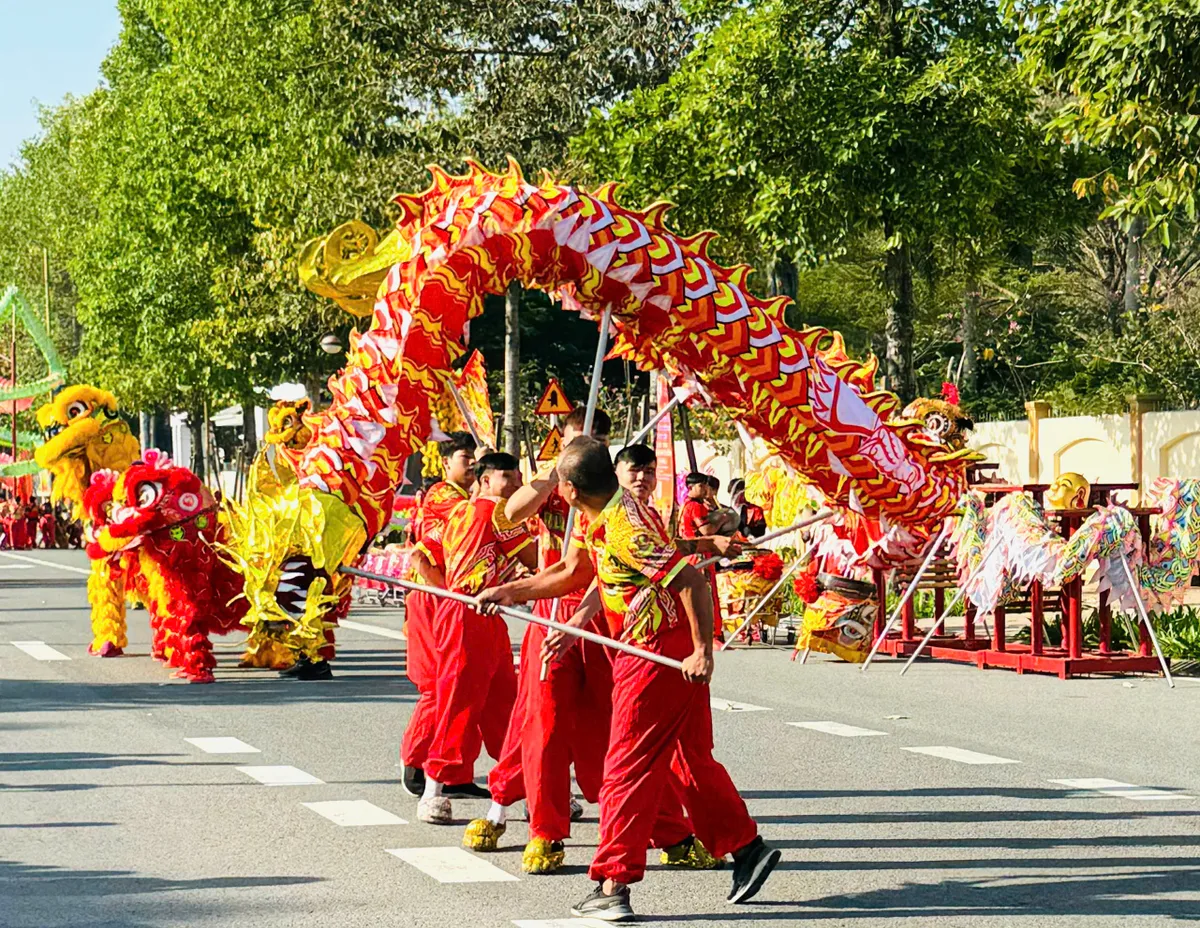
<point x="434" y="810"/>
<point x="576" y="810"/>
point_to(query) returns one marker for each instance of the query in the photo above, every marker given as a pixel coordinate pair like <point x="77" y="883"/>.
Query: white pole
<point x="755" y="542"/>
<point x="589" y="416"/>
<point x="945" y="612"/>
<point x="462" y="408"/>
<point x="523" y="614"/>
<point x="654" y="420"/>
<point x="912" y="587"/>
<point x="1141" y="608"/>
<point x="758" y="606"/>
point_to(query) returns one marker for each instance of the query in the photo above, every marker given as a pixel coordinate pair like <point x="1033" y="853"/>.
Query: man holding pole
<point x="428" y="566"/>
<point x="661" y="730"/>
<point x="475" y="685"/>
<point x="561" y="713"/>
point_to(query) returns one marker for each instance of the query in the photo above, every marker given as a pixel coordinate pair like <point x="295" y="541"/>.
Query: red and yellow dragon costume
<point x="673" y="308"/>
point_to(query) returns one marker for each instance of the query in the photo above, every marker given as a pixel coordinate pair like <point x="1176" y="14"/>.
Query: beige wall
<point x="1099" y="447"/>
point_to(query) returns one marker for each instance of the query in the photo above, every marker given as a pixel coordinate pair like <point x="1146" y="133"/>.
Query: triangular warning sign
<point x="551" y="446"/>
<point x="554" y="401"/>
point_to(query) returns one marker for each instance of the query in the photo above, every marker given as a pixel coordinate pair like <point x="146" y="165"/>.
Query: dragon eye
<point x="148" y="494"/>
<point x="77" y="409"/>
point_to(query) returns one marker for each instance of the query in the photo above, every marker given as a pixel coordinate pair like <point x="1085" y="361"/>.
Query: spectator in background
<point x="47" y="527"/>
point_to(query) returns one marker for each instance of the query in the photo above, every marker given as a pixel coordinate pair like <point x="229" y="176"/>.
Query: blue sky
<point x="51" y="48"/>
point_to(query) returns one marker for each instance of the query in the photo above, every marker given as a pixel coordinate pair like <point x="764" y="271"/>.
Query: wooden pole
<point x="686" y="425"/>
<point x="512" y="369"/>
<point x="46" y="285"/>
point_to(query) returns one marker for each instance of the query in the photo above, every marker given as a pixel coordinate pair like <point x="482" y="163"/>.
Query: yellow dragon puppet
<point x="85" y="434"/>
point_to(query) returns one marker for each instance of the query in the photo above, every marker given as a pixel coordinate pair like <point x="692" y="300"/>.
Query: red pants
<point x="421" y="668"/>
<point x="718" y="624"/>
<point x="662" y="732"/>
<point x="554" y="722"/>
<point x="474" y="690"/>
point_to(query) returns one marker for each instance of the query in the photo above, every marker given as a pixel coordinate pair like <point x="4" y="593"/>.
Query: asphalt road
<point x="947" y="814"/>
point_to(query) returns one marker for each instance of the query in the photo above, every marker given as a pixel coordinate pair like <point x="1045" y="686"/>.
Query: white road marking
<point x="837" y="728"/>
<point x="70" y="568"/>
<point x="41" y="651"/>
<point x="280" y="776"/>
<point x="452" y="865"/>
<point x="354" y="812"/>
<point x="961" y="756"/>
<point x="1123" y="790"/>
<point x="373" y="630"/>
<point x="222" y="746"/>
<point x="560" y="923"/>
<point x="16" y="567"/>
<point x="728" y="705"/>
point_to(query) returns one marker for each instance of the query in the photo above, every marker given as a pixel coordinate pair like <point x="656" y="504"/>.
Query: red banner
<point x="664" y="450"/>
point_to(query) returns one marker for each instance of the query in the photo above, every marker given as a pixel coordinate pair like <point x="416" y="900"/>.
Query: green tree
<point x="798" y="127"/>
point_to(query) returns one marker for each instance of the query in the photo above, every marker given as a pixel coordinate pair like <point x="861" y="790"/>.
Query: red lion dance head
<point x="155" y="497"/>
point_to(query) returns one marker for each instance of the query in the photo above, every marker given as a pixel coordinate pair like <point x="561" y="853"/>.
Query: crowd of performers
<point x="34" y="524"/>
<point x="638" y="734"/>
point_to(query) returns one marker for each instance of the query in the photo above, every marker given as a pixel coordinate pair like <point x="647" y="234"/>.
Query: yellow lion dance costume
<point x="274" y="470"/>
<point x="84" y="434"/>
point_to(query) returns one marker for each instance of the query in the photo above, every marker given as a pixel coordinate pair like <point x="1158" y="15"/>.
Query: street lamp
<point x="332" y="343"/>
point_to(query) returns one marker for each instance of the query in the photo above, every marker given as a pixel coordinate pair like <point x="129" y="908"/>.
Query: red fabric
<point x="662" y="732"/>
<point x="474" y="690"/>
<point x="554" y="722"/>
<point x="435" y="510"/>
<point x="421" y="669"/>
<point x="479" y="544"/>
<point x="691" y="517"/>
<point x="49" y="529"/>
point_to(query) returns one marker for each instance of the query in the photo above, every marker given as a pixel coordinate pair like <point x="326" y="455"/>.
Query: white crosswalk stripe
<point x="837" y="728"/>
<point x="280" y="776"/>
<point x="222" y="746"/>
<point x="40" y="563"/>
<point x="352" y="813"/>
<point x="1108" y="787"/>
<point x="379" y="630"/>
<point x="452" y="865"/>
<point x="560" y="923"/>
<point x="961" y="755"/>
<point x="40" y="651"/>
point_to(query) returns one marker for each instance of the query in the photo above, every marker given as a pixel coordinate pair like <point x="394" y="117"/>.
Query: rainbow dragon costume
<point x="673" y="308"/>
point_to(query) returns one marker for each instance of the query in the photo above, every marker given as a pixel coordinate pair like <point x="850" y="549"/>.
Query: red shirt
<point x="691" y="517"/>
<point x="552" y="518"/>
<point x="435" y="510"/>
<point x="480" y="545"/>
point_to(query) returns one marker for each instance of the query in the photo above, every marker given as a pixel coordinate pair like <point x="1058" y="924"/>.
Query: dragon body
<point x="672" y="308"/>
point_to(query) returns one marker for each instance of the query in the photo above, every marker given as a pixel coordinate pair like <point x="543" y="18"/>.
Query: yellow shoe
<point x="482" y="835"/>
<point x="690" y="854"/>
<point x="542" y="856"/>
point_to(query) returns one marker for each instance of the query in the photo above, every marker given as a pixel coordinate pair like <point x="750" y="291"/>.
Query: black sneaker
<point x="315" y="670"/>
<point x="614" y="908"/>
<point x="413" y="781"/>
<point x="751" y="867"/>
<point x="466" y="791"/>
<point x="294" y="670"/>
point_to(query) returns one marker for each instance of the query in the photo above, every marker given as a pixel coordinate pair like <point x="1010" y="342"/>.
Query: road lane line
<point x="452" y="865"/>
<point x="222" y="746"/>
<point x="350" y="813"/>
<point x="960" y="755"/>
<point x="1123" y="790"/>
<point x="16" y="567"/>
<point x="280" y="776"/>
<point x="837" y="728"/>
<point x="41" y="651"/>
<point x="34" y="560"/>
<point x="373" y="630"/>
<point x="728" y="705"/>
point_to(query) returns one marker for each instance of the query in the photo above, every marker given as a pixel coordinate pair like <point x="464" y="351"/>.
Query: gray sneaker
<point x="614" y="908"/>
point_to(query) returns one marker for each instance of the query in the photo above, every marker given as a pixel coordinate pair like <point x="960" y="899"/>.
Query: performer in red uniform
<point x="662" y="723"/>
<point x="475" y="685"/>
<point x="429" y="567"/>
<point x="558" y="720"/>
<point x="694" y="523"/>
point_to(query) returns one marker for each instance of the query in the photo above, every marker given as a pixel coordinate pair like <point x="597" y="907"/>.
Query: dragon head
<point x="286" y="425"/>
<point x="944" y="422"/>
<point x="83" y="434"/>
<point x="154" y="495"/>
